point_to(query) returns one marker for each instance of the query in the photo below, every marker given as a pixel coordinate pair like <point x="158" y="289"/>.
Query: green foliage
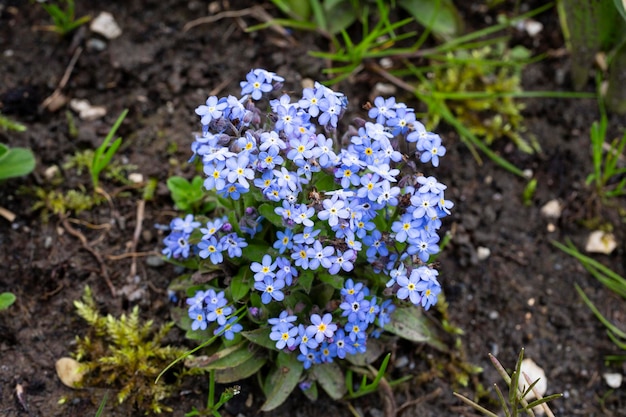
<point x="64" y="19"/>
<point x="189" y="196"/>
<point x="464" y="81"/>
<point x="514" y="403"/>
<point x="104" y="153"/>
<point x="212" y="407"/>
<point x="607" y="178"/>
<point x="59" y="203"/>
<point x="588" y="28"/>
<point x="529" y="192"/>
<point x="611" y="280"/>
<point x="9" y="125"/>
<point x="15" y="162"/>
<point x="478" y="86"/>
<point x="126" y="354"/>
<point x="6" y="300"/>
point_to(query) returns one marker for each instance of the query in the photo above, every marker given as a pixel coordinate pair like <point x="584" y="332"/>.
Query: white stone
<point x="86" y="111"/>
<point x="482" y="253"/>
<point x="69" y="372"/>
<point x="534" y="372"/>
<point x="613" y="380"/>
<point x="600" y="242"/>
<point x="552" y="209"/>
<point x="135" y="178"/>
<point x="105" y="25"/>
<point x="533" y="28"/>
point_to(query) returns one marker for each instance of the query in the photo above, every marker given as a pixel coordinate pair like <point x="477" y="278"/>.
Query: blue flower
<point x="284" y="335"/>
<point x="334" y="209"/>
<point x="255" y="85"/>
<point x="283" y="317"/>
<point x="186" y="225"/>
<point x="283" y="240"/>
<point x="343" y="260"/>
<point x="355" y="307"/>
<point x="322" y="326"/>
<point x="383" y="110"/>
<point x="405" y="228"/>
<point x="375" y="244"/>
<point x="343" y="345"/>
<point x="356" y="330"/>
<point x="410" y="288"/>
<point x="386" y="309"/>
<point x="239" y="170"/>
<point x="308" y="358"/>
<point x="306" y="338"/>
<point x="429" y="295"/>
<point x="301" y="256"/>
<point x="285" y="271"/>
<point x="233" y="244"/>
<point x="229" y="328"/>
<point x="331" y="108"/>
<point x="199" y="319"/>
<point x="212" y="110"/>
<point x="265" y="269"/>
<point x="424" y="245"/>
<point x="271" y="289"/>
<point x="327" y="352"/>
<point x="310" y="101"/>
<point x="320" y="255"/>
<point x="176" y="245"/>
<point x="432" y="151"/>
<point x="212" y="249"/>
<point x="219" y="314"/>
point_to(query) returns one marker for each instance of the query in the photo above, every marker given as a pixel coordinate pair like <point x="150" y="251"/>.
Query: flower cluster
<point x="322" y="211"/>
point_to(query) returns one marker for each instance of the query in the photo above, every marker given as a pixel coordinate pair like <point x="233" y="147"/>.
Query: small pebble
<point x="384" y="89"/>
<point x="533" y="27"/>
<point x="613" y="380"/>
<point x="401" y="362"/>
<point x="493" y="315"/>
<point x="552" y="209"/>
<point x="534" y="372"/>
<point x="601" y="242"/>
<point x="105" y="25"/>
<point x="482" y="253"/>
<point x="86" y="111"/>
<point x="97" y="45"/>
<point x="155" y="261"/>
<point x="135" y="177"/>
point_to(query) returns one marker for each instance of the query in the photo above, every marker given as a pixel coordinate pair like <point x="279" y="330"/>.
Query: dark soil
<point x="521" y="296"/>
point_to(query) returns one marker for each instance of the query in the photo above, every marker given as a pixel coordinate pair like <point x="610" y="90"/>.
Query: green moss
<point x="126" y="354"/>
<point x="491" y="78"/>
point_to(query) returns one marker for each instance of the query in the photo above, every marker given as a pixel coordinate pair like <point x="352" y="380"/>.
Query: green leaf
<point x="15" y="162"/>
<point x="240" y="284"/>
<point x="241" y="371"/>
<point x="282" y="380"/>
<point x="222" y="358"/>
<point x="335" y="281"/>
<point x="305" y="280"/>
<point x="311" y="392"/>
<point x="439" y="16"/>
<point x="267" y="211"/>
<point x="260" y="337"/>
<point x="6" y="299"/>
<point x="373" y="352"/>
<point x="410" y="324"/>
<point x="255" y="251"/>
<point x="331" y="378"/>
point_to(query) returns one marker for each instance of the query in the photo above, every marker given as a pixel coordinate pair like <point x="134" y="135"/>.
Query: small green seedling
<point x="610" y="279"/>
<point x="6" y="300"/>
<point x="605" y="170"/>
<point x="514" y="404"/>
<point x="15" y="162"/>
<point x="189" y="196"/>
<point x="212" y="407"/>
<point x="64" y="18"/>
<point x="103" y="155"/>
<point x="529" y="192"/>
<point x="7" y="124"/>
